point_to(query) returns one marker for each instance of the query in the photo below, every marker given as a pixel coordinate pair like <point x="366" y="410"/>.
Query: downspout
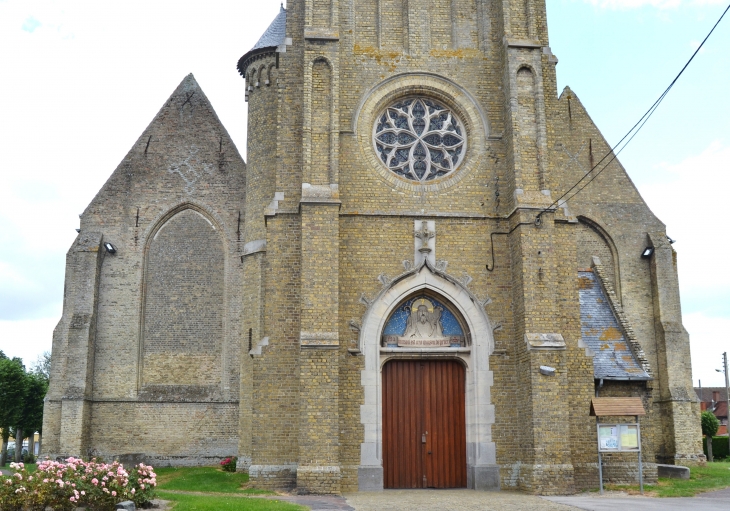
<point x="600" y="384"/>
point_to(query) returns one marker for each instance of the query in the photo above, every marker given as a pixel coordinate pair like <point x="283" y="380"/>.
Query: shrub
<point x="710" y="424"/>
<point x="229" y="464"/>
<point x="720" y="447"/>
<point x="65" y="486"/>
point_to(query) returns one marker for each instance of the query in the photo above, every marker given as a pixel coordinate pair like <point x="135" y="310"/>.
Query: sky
<point x="81" y="79"/>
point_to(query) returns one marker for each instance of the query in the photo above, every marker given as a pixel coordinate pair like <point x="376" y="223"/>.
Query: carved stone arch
<point x="527" y="158"/>
<point x="482" y="469"/>
<point x="452" y="325"/>
<point x="443" y="88"/>
<point x="270" y="73"/>
<point x="260" y="75"/>
<point x="593" y="240"/>
<point x="528" y="67"/>
<point x="528" y="107"/>
<point x="182" y="325"/>
<point x="161" y="218"/>
<point x="320" y="135"/>
<point x="320" y="58"/>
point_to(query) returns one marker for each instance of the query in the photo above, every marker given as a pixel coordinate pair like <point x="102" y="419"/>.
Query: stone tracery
<point x="419" y="139"/>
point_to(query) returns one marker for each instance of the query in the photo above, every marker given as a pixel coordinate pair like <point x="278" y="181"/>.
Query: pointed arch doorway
<point x="424" y="427"/>
<point x="471" y="352"/>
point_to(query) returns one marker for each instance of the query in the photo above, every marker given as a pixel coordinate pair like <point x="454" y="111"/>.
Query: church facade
<point x="392" y="291"/>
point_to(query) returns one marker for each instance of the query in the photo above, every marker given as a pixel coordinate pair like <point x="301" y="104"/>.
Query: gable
<point x="183" y="154"/>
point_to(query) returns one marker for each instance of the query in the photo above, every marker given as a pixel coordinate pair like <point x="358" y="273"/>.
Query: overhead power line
<point x="613" y="152"/>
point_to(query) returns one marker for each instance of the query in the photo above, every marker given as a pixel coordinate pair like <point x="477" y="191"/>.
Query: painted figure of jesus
<point x="424" y="321"/>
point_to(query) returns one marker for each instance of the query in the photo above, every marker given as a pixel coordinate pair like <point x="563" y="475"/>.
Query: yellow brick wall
<point x="298" y="261"/>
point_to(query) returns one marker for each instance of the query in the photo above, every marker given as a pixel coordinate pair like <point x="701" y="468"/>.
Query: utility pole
<point x="727" y="391"/>
<point x="727" y="388"/>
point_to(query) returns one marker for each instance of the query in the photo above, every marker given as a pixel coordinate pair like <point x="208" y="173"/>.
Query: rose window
<point x="419" y="139"/>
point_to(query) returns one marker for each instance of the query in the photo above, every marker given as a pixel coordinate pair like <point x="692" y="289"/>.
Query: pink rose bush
<point x="74" y="483"/>
<point x="229" y="464"/>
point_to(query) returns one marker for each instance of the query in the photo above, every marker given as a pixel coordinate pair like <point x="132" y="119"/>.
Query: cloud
<point x="27" y="339"/>
<point x="30" y="24"/>
<point x="37" y="230"/>
<point x="31" y="286"/>
<point x="708" y="341"/>
<point x="90" y="117"/>
<point x="690" y="198"/>
<point x="658" y="4"/>
<point x="635" y="4"/>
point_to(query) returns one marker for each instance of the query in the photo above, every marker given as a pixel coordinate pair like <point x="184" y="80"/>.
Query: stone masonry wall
<point x="282" y="270"/>
<point x="275" y="390"/>
<point x="183" y="161"/>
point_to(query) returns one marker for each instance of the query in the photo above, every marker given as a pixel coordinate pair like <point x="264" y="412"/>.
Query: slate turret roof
<point x="602" y="333"/>
<point x="273" y="37"/>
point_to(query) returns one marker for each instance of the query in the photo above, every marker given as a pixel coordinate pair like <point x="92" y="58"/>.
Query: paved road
<point x="449" y="500"/>
<point x="713" y="501"/>
<point x="469" y="500"/>
<point x="318" y="502"/>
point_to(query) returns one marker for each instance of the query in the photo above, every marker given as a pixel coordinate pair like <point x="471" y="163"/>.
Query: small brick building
<point x="388" y="292"/>
<point x="714" y="399"/>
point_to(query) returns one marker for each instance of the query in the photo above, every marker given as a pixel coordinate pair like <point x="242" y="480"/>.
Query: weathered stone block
<point x="673" y="471"/>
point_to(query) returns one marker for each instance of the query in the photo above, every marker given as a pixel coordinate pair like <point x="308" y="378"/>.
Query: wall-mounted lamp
<point x="671" y="241"/>
<point x="78" y="230"/>
<point x="647" y="253"/>
<point x="110" y="248"/>
<point x="547" y="370"/>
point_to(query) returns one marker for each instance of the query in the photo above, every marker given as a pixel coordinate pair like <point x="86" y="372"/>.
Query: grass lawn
<point x="714" y="476"/>
<point x="219" y="503"/>
<point x="203" y="479"/>
<point x="216" y="483"/>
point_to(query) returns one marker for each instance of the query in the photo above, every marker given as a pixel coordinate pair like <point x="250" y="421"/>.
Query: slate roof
<point x="706" y="395"/>
<point x="274" y="36"/>
<point x="601" y="332"/>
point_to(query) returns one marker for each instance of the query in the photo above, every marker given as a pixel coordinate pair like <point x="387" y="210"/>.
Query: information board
<point x="618" y="437"/>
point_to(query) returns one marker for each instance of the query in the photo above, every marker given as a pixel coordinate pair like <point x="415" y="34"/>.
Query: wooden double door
<point x="424" y="424"/>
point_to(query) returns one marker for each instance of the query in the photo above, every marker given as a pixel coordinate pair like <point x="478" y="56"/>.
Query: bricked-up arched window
<point x="183" y="303"/>
<point x="419" y="139"/>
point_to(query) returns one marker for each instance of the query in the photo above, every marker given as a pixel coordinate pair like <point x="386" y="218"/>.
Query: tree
<point x="31" y="419"/>
<point x="12" y="399"/>
<point x="710" y="425"/>
<point x="42" y="365"/>
<point x="42" y="369"/>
